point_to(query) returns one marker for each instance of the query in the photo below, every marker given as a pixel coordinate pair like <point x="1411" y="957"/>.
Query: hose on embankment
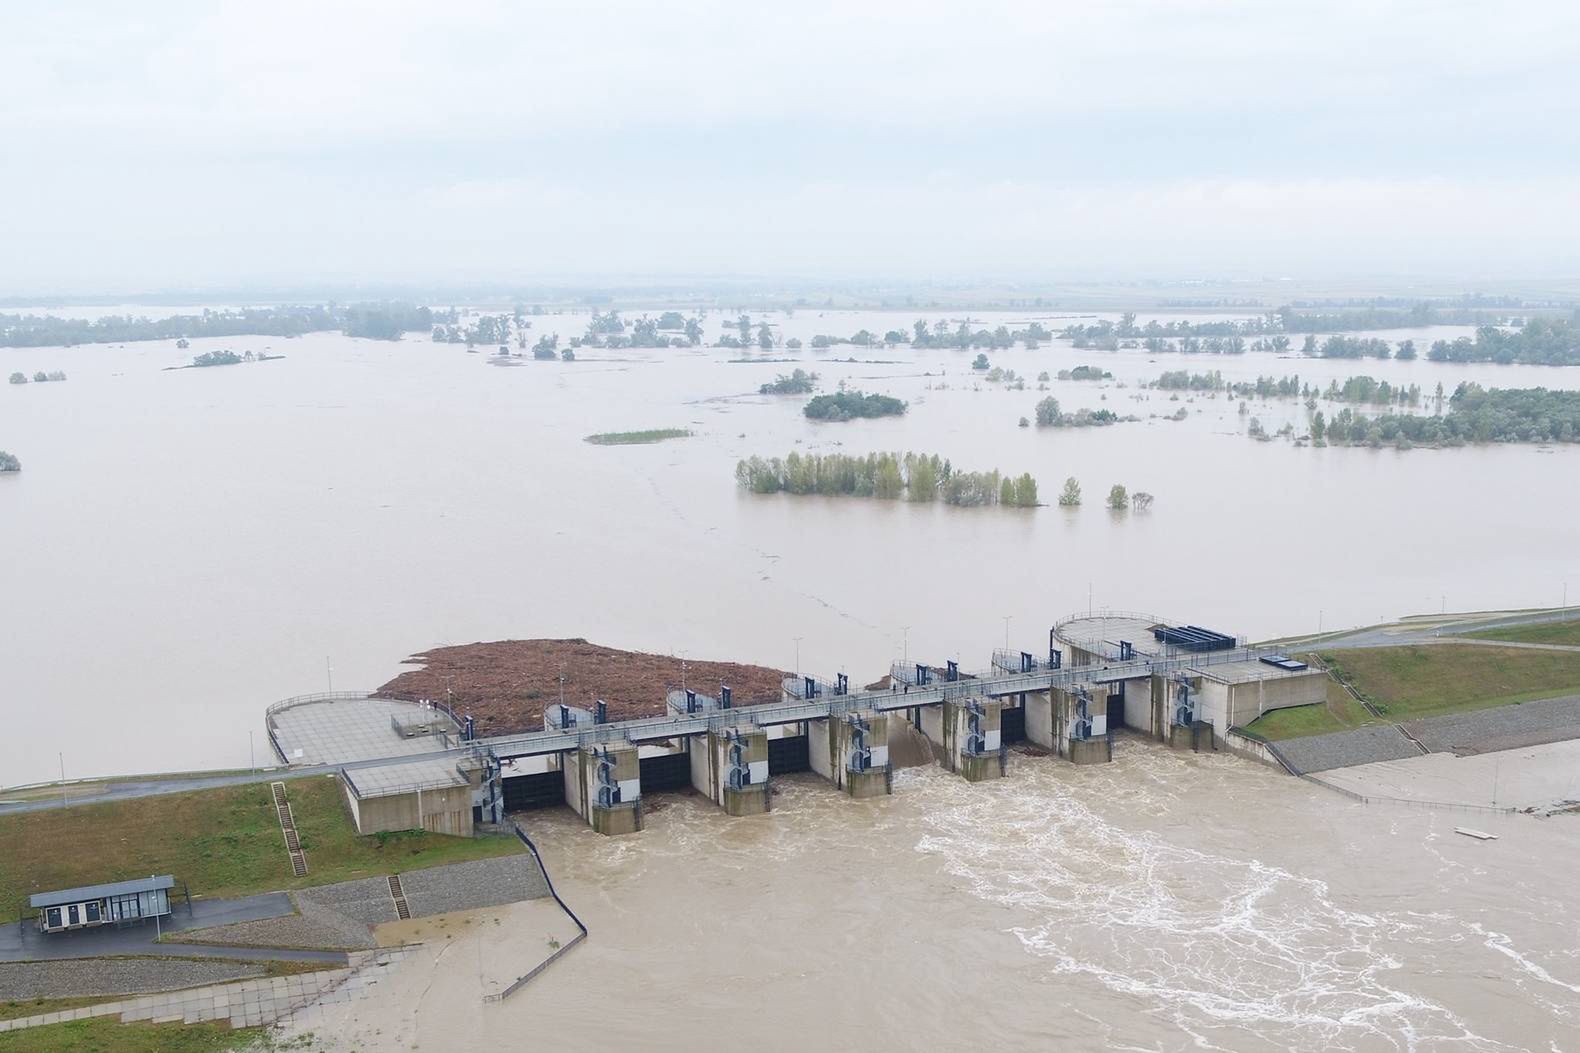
<point x="559" y="952"/>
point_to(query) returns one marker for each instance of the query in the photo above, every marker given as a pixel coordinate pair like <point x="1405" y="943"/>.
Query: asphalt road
<point x="1426" y="629"/>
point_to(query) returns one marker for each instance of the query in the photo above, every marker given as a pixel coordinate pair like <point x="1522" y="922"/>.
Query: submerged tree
<point x="1141" y="500"/>
<point x="9" y="463"/>
<point x="1070" y="496"/>
<point x="1118" y="498"/>
<point x="1025" y="495"/>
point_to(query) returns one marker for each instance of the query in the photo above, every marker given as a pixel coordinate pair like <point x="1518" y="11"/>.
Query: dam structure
<point x="1180" y="684"/>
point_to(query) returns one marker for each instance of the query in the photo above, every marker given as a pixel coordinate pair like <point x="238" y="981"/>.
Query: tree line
<point x="1049" y="415"/>
<point x="917" y="477"/>
<point x="847" y="405"/>
<point x="39" y="377"/>
<point x="1361" y="389"/>
<point x="1540" y="341"/>
<point x="799" y="382"/>
<point x="1475" y="414"/>
<point x="382" y="321"/>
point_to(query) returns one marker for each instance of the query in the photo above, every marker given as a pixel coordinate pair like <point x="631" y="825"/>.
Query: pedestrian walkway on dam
<point x="248" y="1003"/>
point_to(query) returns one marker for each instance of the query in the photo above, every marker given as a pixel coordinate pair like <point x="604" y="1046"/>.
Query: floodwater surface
<point x="184" y="548"/>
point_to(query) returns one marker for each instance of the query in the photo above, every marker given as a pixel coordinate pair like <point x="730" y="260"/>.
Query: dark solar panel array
<point x="1192" y="638"/>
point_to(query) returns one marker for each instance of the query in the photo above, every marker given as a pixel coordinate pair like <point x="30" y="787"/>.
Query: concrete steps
<point x="398" y="894"/>
<point x="293" y="843"/>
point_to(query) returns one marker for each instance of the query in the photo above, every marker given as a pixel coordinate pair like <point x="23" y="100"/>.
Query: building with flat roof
<point x="114" y="903"/>
<point x="1229" y="690"/>
<point x="442" y="796"/>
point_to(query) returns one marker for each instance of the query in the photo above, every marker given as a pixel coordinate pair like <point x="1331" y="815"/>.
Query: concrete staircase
<point x="293" y="844"/>
<point x="398" y="894"/>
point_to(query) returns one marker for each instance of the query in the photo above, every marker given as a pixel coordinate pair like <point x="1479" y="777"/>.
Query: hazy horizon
<point x="191" y="147"/>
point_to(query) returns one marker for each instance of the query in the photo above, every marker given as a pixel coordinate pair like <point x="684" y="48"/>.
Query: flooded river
<point x="183" y="548"/>
<point x="1158" y="903"/>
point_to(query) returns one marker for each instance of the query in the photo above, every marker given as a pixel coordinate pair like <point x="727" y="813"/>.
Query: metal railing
<point x="294" y="701"/>
<point x="899" y="696"/>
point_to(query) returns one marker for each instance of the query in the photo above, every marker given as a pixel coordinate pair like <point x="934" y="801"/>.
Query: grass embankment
<point x="78" y="788"/>
<point x="221" y="842"/>
<point x="1563" y="633"/>
<point x="1407" y="683"/>
<point x="636" y="438"/>
<point x="40" y="1006"/>
<point x="1342" y="713"/>
<point x="107" y="1035"/>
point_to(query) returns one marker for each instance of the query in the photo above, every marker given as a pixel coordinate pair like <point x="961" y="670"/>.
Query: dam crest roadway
<point x="419" y="764"/>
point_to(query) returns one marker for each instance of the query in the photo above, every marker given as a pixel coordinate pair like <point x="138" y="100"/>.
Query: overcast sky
<point x="171" y="145"/>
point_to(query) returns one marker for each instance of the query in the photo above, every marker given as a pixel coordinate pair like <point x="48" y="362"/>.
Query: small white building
<point x="115" y="903"/>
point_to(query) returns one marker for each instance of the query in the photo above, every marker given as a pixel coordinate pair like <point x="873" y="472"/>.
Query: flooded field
<point x="184" y="548"/>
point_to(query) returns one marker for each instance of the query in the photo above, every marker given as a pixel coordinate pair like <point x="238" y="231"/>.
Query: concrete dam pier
<point x="1177" y="683"/>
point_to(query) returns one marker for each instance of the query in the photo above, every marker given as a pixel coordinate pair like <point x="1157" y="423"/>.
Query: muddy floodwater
<point x="1164" y="902"/>
<point x="183" y="548"/>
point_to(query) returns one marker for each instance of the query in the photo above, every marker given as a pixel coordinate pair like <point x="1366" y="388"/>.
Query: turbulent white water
<point x="1162" y="902"/>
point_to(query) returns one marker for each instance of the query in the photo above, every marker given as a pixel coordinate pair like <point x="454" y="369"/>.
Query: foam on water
<point x="1221" y="942"/>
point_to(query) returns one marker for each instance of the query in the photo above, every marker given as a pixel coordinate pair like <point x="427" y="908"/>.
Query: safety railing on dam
<point x="315" y="698"/>
<point x="823" y="707"/>
<point x="900" y="696"/>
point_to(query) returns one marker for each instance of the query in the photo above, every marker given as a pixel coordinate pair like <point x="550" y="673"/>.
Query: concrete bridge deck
<point x="824" y="706"/>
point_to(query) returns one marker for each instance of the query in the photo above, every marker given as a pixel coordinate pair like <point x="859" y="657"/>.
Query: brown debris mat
<point x="507" y="684"/>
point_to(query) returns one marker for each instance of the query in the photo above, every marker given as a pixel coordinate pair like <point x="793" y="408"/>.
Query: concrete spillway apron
<point x="581" y="933"/>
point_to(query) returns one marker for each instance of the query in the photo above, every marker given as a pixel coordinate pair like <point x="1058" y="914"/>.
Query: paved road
<point x="24" y="942"/>
<point x="128" y="789"/>
<point x="1427" y="629"/>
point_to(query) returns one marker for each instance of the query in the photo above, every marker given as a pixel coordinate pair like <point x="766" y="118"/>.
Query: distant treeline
<point x="1276" y="325"/>
<point x="846" y="405"/>
<point x="891" y="476"/>
<point x="1475" y="415"/>
<point x="382" y="321"/>
<point x="1361" y="389"/>
<point x="9" y="463"/>
<point x="940" y="334"/>
<point x="1540" y="341"/>
<point x="1461" y="301"/>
